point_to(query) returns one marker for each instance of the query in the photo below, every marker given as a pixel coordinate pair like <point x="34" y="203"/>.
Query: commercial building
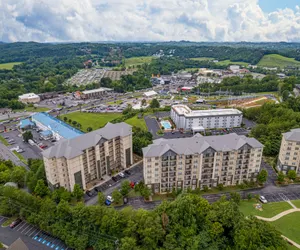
<point x="87" y="158"/>
<point x="187" y="119"/>
<point x="150" y="93"/>
<point x="200" y="161"/>
<point x="58" y="128"/>
<point x="289" y="155"/>
<point x="29" y="98"/>
<point x="95" y="93"/>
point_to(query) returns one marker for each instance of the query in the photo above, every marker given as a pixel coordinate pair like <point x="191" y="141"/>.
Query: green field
<point x="92" y="120"/>
<point x="202" y="58"/>
<point x="274" y="60"/>
<point x="269" y="209"/>
<point x="133" y="61"/>
<point x="228" y="62"/>
<point x="296" y="203"/>
<point x="288" y="225"/>
<point x="8" y="66"/>
<point x="135" y="121"/>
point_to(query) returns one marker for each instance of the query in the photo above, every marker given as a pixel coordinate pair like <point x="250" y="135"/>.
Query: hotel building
<point x="87" y="158"/>
<point x="201" y="161"/>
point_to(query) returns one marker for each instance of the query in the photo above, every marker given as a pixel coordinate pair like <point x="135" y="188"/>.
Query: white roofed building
<point x="95" y="93"/>
<point x="150" y="93"/>
<point x="187" y="119"/>
<point x="29" y="98"/>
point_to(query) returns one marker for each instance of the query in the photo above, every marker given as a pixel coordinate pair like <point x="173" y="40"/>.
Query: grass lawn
<point x="8" y="66"/>
<point x="288" y="225"/>
<point x="228" y="62"/>
<point x="290" y="247"/>
<point x="21" y="157"/>
<point x="92" y="120"/>
<point x="117" y="102"/>
<point x="160" y="197"/>
<point x="32" y="109"/>
<point x="269" y="209"/>
<point x="202" y="58"/>
<point x="9" y="221"/>
<point x="3" y="140"/>
<point x="296" y="203"/>
<point x="135" y="121"/>
<point x="138" y="60"/>
<point x="132" y="194"/>
<point x="275" y="60"/>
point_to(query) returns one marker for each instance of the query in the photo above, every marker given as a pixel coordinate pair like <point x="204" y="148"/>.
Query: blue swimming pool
<point x="166" y="124"/>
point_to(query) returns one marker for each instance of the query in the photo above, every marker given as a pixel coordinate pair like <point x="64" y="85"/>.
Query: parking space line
<point x="29" y="226"/>
<point x="37" y="233"/>
<point x="27" y="232"/>
<point x="25" y="224"/>
<point x="22" y="223"/>
<point x="31" y="232"/>
<point x="2" y="219"/>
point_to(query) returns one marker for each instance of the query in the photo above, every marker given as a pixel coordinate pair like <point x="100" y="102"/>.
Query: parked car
<point x="114" y="178"/>
<point x="127" y="172"/>
<point x="15" y="223"/>
<point x="108" y="197"/>
<point x="263" y="199"/>
<point x="20" y="150"/>
<point x="122" y="175"/>
<point x="125" y="200"/>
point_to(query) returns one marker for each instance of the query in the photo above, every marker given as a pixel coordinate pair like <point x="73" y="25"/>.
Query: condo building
<point x="87" y="158"/>
<point x="289" y="155"/>
<point x="187" y="119"/>
<point x="201" y="161"/>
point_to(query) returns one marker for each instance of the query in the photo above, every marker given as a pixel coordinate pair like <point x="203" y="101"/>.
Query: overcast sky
<point x="149" y="20"/>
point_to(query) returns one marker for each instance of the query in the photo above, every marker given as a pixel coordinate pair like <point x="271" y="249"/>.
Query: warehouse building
<point x="29" y="98"/>
<point x="197" y="120"/>
<point x="95" y="93"/>
<point x="87" y="158"/>
<point x="59" y="129"/>
<point x="200" y="161"/>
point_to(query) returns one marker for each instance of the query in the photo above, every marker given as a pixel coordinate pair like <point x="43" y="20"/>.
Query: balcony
<point x="172" y="179"/>
<point x="164" y="169"/>
<point x="187" y="178"/>
<point x="188" y="172"/>
<point x="188" y="168"/>
<point x="188" y="162"/>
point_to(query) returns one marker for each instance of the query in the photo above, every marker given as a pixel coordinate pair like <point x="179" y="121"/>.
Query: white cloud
<point x="140" y="20"/>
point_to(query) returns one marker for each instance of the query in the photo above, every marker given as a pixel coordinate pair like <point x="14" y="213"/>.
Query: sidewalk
<point x="278" y="216"/>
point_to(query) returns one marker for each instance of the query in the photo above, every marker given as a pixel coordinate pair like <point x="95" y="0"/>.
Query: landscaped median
<point x="3" y="140"/>
<point x="21" y="158"/>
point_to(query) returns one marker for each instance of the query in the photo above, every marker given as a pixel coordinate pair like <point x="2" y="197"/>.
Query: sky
<point x="149" y="20"/>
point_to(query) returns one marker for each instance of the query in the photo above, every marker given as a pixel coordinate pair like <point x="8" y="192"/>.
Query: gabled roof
<point x="293" y="135"/>
<point x="196" y="144"/>
<point x="74" y="147"/>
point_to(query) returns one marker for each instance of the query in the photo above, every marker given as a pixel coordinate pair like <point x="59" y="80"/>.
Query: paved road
<point x="136" y="176"/>
<point x="6" y="154"/>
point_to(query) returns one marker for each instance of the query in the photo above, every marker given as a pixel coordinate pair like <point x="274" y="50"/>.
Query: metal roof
<point x="197" y="144"/>
<point x="293" y="135"/>
<point x="74" y="147"/>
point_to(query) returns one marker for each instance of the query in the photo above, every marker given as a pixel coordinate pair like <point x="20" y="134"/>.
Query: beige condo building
<point x="87" y="158"/>
<point x="201" y="161"/>
<point x="289" y="155"/>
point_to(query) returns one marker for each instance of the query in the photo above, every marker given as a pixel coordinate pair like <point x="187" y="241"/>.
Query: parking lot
<point x="275" y="197"/>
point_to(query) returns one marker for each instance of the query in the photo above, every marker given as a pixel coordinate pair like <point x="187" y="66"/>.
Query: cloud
<point x="140" y="20"/>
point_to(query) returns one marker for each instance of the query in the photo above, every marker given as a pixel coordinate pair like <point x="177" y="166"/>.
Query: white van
<point x="31" y="142"/>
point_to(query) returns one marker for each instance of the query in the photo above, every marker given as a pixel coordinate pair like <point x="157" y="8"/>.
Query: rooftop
<point x="25" y="123"/>
<point x="56" y="125"/>
<point x="95" y="90"/>
<point x="150" y="93"/>
<point x="198" y="144"/>
<point x="186" y="111"/>
<point x="74" y="147"/>
<point x="28" y="95"/>
<point x="293" y="135"/>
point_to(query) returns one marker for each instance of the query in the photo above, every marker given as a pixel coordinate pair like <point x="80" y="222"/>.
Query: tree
<point x="262" y="176"/>
<point x="292" y="174"/>
<point x="18" y="175"/>
<point x="101" y="198"/>
<point x="125" y="187"/>
<point x="154" y="103"/>
<point x="172" y="127"/>
<point x="61" y="194"/>
<point x="236" y="197"/>
<point x="146" y="192"/>
<point x="117" y="196"/>
<point x="74" y="123"/>
<point x="89" y="129"/>
<point x="27" y="136"/>
<point x="65" y="119"/>
<point x="77" y="192"/>
<point x="144" y="102"/>
<point x="280" y="177"/>
<point x="41" y="189"/>
<point x="220" y="186"/>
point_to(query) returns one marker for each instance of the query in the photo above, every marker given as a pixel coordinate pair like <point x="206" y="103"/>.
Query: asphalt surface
<point x="108" y="187"/>
<point x="6" y="154"/>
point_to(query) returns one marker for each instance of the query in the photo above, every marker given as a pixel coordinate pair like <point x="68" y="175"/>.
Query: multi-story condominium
<point x="289" y="155"/>
<point x="187" y="119"/>
<point x="201" y="161"/>
<point x="87" y="158"/>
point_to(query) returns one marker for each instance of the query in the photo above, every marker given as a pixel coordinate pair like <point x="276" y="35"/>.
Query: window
<point x="156" y="164"/>
<point x="149" y="160"/>
<point x="156" y="158"/>
<point x="156" y="169"/>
